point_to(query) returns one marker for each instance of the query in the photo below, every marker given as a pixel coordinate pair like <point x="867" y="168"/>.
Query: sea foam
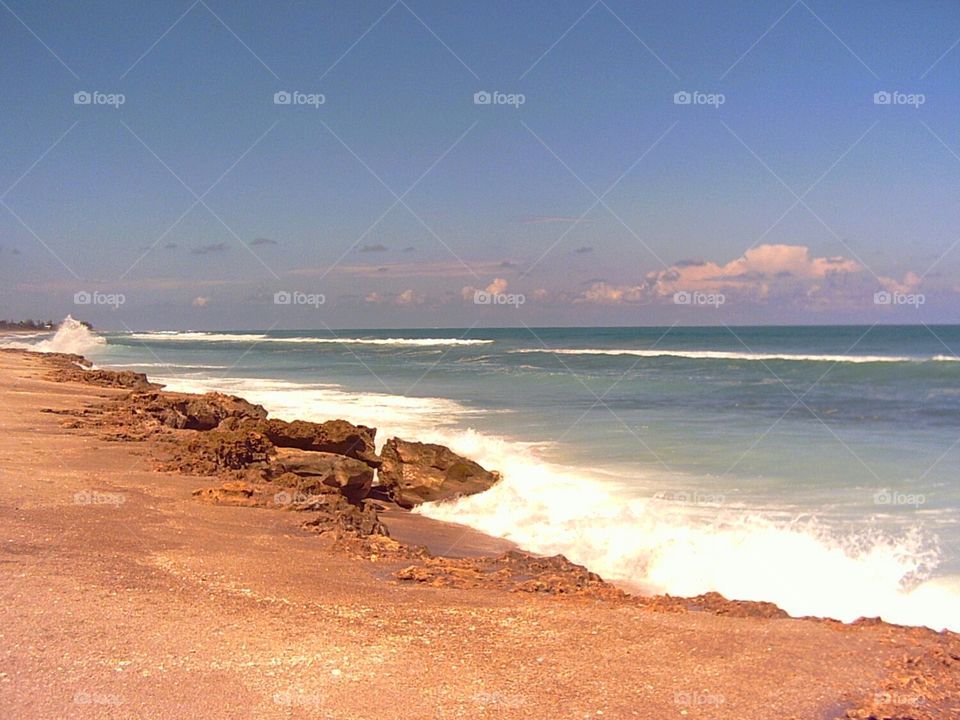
<point x="71" y="337"/>
<point x="750" y="356"/>
<point x="251" y="338"/>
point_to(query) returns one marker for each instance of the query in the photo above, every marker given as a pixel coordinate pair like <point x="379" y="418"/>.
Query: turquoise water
<point x="813" y="466"/>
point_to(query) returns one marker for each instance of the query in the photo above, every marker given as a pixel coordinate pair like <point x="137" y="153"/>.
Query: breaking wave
<point x="173" y="336"/>
<point x="71" y="337"/>
<point x="727" y="355"/>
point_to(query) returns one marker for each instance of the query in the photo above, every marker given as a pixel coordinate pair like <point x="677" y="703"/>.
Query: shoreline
<point x="443" y="538"/>
<point x="846" y="668"/>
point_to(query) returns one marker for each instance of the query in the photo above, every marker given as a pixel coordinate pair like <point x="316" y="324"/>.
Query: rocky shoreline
<point x="325" y="471"/>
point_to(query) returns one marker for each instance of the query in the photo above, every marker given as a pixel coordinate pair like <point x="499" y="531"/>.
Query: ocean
<point x="814" y="467"/>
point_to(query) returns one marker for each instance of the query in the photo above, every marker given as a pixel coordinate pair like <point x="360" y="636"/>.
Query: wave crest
<point x="728" y="355"/>
<point x="168" y="336"/>
<point x="71" y="337"/>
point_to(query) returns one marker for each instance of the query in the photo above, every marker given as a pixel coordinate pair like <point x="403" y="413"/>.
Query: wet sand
<point x="122" y="596"/>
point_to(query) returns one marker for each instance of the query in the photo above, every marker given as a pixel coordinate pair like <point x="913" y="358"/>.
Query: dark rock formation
<point x="212" y="452"/>
<point x="414" y="473"/>
<point x="103" y="378"/>
<point x="337" y="516"/>
<point x="334" y="436"/>
<point x="320" y="472"/>
<point x="185" y="411"/>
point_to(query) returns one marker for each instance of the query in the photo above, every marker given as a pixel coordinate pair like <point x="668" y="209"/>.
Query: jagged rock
<point x="215" y="451"/>
<point x="186" y="411"/>
<point x="334" y="436"/>
<point x="716" y="604"/>
<point x="320" y="472"/>
<point x="414" y="473"/>
<point x="103" y="378"/>
<point x="514" y="571"/>
<point x="338" y="516"/>
<point x="232" y="493"/>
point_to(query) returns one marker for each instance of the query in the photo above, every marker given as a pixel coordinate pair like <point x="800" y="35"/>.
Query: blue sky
<point x="782" y="193"/>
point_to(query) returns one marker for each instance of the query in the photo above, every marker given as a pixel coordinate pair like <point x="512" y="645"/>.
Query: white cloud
<point x="409" y="297"/>
<point x="496" y="287"/>
<point x="909" y="283"/>
<point x="786" y="272"/>
<point x="601" y="293"/>
<point x="758" y="270"/>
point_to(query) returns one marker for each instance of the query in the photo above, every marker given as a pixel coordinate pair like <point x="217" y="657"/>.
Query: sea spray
<point x="71" y="336"/>
<point x="662" y="546"/>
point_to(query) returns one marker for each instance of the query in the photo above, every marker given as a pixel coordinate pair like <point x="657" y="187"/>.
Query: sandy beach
<point x="126" y="597"/>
